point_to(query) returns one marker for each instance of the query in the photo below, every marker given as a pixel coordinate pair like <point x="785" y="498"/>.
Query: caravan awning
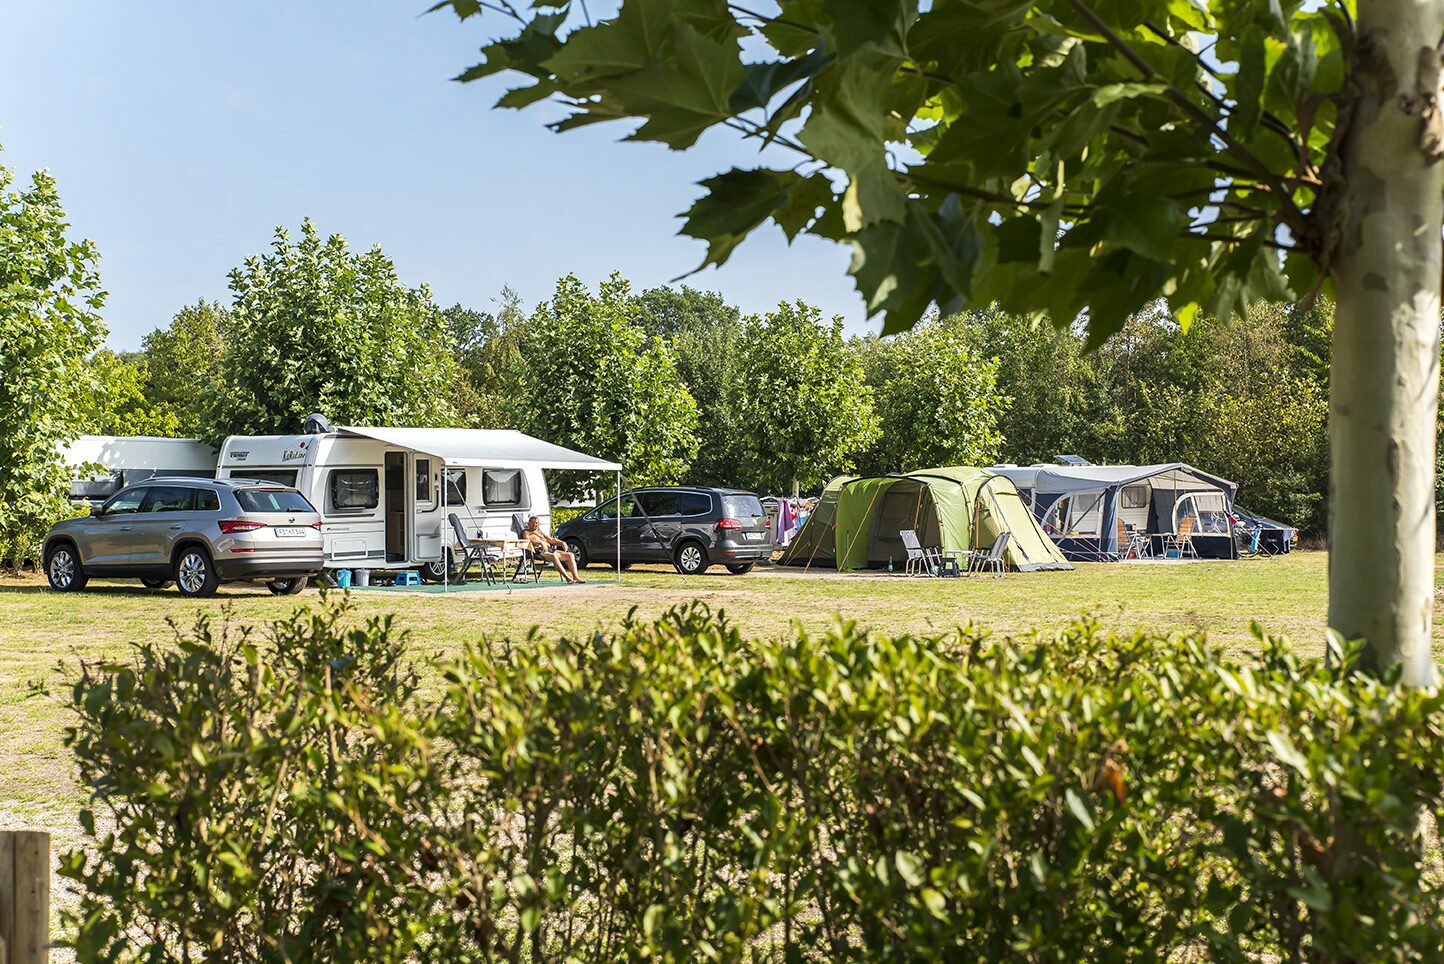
<point x="1063" y="479"/>
<point x="488" y="448"/>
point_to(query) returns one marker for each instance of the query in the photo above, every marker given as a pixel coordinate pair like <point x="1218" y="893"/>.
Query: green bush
<point x="674" y="791"/>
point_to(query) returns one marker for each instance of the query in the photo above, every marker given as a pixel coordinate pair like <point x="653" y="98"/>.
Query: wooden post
<point x="24" y="897"/>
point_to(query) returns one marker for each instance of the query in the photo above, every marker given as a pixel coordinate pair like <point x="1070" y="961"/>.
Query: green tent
<point x="858" y="521"/>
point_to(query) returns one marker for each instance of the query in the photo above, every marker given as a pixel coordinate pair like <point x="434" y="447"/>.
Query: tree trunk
<point x="1384" y="384"/>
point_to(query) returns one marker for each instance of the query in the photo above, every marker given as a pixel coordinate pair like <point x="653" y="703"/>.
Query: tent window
<point x="1135" y="496"/>
<point x="354" y="490"/>
<point x="501" y="487"/>
<point x="1208" y="510"/>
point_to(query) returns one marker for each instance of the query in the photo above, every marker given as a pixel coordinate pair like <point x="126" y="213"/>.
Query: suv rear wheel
<point x="195" y="574"/>
<point x="690" y="558"/>
<point x="63" y="569"/>
<point x="286" y="587"/>
<point x="150" y="583"/>
<point x="740" y="568"/>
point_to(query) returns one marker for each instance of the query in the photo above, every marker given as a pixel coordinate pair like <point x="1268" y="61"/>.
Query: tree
<point x="316" y="328"/>
<point x="938" y="402"/>
<point x="593" y="381"/>
<point x="183" y="363"/>
<point x="121" y="403"/>
<point x="1078" y="159"/>
<point x="488" y="358"/>
<point x="50" y="300"/>
<point x="805" y="407"/>
<point x="667" y="312"/>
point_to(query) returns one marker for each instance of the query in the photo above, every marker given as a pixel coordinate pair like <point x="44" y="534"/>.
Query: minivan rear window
<point x="741" y="506"/>
<point x="273" y="500"/>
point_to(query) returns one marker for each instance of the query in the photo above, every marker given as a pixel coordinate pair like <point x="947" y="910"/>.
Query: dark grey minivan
<point x="692" y="527"/>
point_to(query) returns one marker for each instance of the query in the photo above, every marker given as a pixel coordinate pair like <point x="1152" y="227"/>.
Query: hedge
<point x="672" y="790"/>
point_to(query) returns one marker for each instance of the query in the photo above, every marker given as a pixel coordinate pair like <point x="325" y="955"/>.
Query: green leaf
<point x="1248" y="86"/>
<point x="1285" y="750"/>
<point x="1079" y="808"/>
<point x="1112" y="93"/>
<point x="1144" y="224"/>
<point x="909" y="868"/>
<point x="739" y="200"/>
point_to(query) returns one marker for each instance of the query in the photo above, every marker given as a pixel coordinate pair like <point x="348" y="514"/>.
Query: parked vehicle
<point x="197" y="533"/>
<point x="380" y="494"/>
<point x="691" y="527"/>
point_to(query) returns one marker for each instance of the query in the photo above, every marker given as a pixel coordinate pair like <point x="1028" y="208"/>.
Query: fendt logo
<point x="239" y="456"/>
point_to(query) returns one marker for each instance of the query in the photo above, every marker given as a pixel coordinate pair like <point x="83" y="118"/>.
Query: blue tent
<point x="1083" y="507"/>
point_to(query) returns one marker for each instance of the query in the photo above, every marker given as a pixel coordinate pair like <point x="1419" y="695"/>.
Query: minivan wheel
<point x="150" y="583"/>
<point x="195" y="574"/>
<point x="580" y="551"/>
<point x="690" y="558"/>
<point x="63" y="569"/>
<point x="286" y="587"/>
<point x="740" y="568"/>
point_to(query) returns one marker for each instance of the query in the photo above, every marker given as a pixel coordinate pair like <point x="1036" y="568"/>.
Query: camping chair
<point x="1181" y="540"/>
<point x="1132" y="544"/>
<point x="931" y="562"/>
<point x="470" y="553"/>
<point x="992" y="559"/>
<point x="532" y="564"/>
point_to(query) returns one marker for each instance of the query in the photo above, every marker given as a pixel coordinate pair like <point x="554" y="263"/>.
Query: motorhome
<point x="102" y="465"/>
<point x="385" y="494"/>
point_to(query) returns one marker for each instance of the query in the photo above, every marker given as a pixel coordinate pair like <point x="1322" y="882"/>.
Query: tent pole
<point x="619" y="527"/>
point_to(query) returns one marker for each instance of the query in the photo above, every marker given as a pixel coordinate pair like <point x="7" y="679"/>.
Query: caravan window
<point x="285" y="477"/>
<point x="423" y="482"/>
<point x="501" y="487"/>
<point x="354" y="490"/>
<point x="456" y="486"/>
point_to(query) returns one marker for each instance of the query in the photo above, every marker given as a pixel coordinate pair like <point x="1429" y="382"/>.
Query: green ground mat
<point x="470" y="586"/>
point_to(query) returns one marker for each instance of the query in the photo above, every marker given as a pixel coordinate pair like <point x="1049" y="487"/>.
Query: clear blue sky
<point x="183" y="133"/>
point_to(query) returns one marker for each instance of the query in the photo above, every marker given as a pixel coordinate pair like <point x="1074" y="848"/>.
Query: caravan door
<point x="425" y="510"/>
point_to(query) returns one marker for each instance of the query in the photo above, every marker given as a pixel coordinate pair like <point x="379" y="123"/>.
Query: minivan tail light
<point x="728" y="524"/>
<point x="240" y="525"/>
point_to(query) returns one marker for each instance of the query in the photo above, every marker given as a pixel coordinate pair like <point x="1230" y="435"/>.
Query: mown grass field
<point x="43" y="634"/>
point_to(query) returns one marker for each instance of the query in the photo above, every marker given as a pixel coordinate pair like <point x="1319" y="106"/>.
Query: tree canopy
<point x="316" y="328"/>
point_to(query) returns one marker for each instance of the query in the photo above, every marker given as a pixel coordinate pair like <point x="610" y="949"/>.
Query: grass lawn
<point x="41" y="630"/>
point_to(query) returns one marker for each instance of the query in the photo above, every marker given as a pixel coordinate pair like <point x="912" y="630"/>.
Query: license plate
<point x="754" y="536"/>
<point x="290" y="533"/>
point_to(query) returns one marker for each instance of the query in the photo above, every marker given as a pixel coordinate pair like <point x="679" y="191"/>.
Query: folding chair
<point x="993" y="559"/>
<point x="472" y="553"/>
<point x="930" y="562"/>
<point x="1182" y="540"/>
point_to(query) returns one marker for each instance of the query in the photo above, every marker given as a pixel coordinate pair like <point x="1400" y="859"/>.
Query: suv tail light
<point x="728" y="524"/>
<point x="316" y="525"/>
<point x="240" y="525"/>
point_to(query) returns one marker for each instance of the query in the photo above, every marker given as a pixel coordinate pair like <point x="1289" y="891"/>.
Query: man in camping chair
<point x="552" y="549"/>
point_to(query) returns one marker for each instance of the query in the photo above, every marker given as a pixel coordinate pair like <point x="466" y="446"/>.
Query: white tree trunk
<point x="1384" y="385"/>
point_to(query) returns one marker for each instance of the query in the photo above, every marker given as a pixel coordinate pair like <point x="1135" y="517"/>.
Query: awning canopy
<point x="488" y="448"/>
<point x="1062" y="479"/>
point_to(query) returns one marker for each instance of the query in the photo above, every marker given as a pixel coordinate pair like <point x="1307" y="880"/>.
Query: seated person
<point x="552" y="549"/>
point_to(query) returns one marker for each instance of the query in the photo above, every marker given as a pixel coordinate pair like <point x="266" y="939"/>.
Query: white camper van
<point x="380" y="490"/>
<point x="125" y="460"/>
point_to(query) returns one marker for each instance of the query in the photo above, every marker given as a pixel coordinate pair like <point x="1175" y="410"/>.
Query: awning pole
<point x="619" y="527"/>
<point x="445" y="531"/>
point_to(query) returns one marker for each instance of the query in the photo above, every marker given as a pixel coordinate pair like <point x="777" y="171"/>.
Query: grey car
<point x="197" y="533"/>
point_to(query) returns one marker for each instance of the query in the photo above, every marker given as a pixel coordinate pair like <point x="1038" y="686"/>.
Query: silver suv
<point x="195" y="532"/>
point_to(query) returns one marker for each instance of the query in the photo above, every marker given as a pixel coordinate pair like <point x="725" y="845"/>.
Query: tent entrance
<point x="905" y="504"/>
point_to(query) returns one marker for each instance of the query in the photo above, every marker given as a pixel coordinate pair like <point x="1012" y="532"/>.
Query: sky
<point x="182" y="134"/>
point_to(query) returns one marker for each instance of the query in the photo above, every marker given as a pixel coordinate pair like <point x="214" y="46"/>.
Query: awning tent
<point x="1083" y="507"/>
<point x="488" y="448"/>
<point x="858" y="521"/>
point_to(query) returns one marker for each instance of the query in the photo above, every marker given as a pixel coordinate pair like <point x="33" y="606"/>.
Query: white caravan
<point x="380" y="492"/>
<point x="125" y="460"/>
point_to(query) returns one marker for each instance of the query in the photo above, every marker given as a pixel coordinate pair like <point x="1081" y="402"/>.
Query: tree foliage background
<point x="50" y="302"/>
